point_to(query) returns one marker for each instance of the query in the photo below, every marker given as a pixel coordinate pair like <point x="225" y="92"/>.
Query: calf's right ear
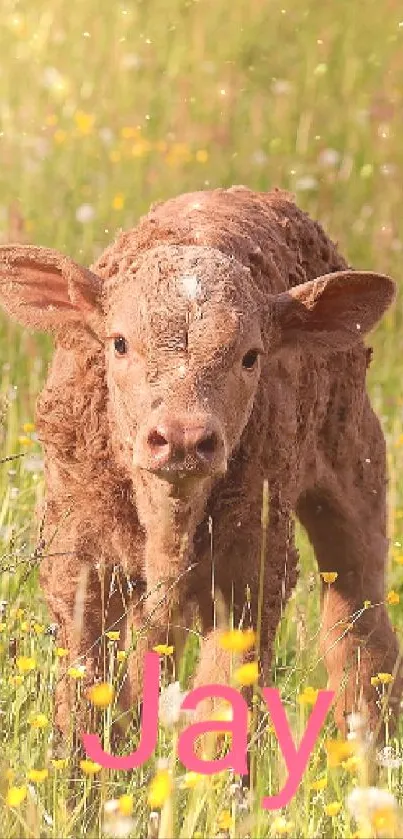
<point x="45" y="290"/>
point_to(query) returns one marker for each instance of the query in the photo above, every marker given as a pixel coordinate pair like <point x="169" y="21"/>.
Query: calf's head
<point x="187" y="333"/>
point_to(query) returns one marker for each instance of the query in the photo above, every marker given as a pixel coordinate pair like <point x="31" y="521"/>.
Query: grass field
<point x="106" y="107"/>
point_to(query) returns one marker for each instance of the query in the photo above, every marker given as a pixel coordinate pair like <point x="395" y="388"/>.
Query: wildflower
<point x="191" y="779"/>
<point x="320" y="784"/>
<point x="329" y="576"/>
<point x="40" y="721"/>
<point x="393" y="598"/>
<point x="385" y="678"/>
<point x="170" y="702"/>
<point x="339" y="751"/>
<point x="160" y="788"/>
<point x="121" y="655"/>
<point x="24" y="440"/>
<point x="84" y="122"/>
<point x="38" y="775"/>
<point x="59" y="136"/>
<point x="113" y="635"/>
<point x="352" y="764"/>
<point x="224" y="820"/>
<point x="399" y="559"/>
<point x="89" y="767"/>
<point x="387" y="757"/>
<point x="28" y="427"/>
<point x="39" y="628"/>
<point x="308" y="696"/>
<point x="163" y="649"/>
<point x="333" y="809"/>
<point x="59" y="762"/>
<point x="280" y="826"/>
<point x="2" y="626"/>
<point x="373" y="804"/>
<point x="15" y="796"/>
<point x="16" y="680"/>
<point x="76" y="672"/>
<point x="61" y="652"/>
<point x="101" y="694"/>
<point x="118" y="201"/>
<point x="367" y="604"/>
<point x="375" y="681"/>
<point x="237" y="640"/>
<point x="125" y="805"/>
<point x="248" y="674"/>
<point x="85" y="213"/>
<point x="202" y="156"/>
<point x="25" y="626"/>
<point x="25" y="664"/>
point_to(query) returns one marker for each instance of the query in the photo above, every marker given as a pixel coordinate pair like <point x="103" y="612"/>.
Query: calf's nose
<point x="189" y="444"/>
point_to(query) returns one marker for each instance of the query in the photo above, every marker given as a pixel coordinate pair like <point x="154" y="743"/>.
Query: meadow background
<point x="104" y="108"/>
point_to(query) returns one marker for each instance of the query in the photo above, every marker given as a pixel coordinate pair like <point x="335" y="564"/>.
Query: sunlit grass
<point x="105" y="108"/>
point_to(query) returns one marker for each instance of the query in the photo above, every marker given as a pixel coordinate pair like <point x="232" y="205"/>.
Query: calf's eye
<point x="120" y="345"/>
<point x="249" y="360"/>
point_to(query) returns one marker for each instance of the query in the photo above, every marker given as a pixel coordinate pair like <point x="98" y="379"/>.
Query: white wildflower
<point x="389" y="758"/>
<point x="85" y="213"/>
<point x="364" y="802"/>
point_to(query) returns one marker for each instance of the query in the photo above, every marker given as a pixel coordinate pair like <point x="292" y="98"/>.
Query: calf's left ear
<point x="335" y="310"/>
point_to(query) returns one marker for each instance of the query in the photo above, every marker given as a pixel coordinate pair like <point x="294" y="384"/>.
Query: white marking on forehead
<point x="190" y="285"/>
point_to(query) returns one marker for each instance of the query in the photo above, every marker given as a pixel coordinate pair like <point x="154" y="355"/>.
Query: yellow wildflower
<point x="61" y="652"/>
<point x="39" y="721"/>
<point x="320" y="784"/>
<point x="2" y="626"/>
<point x="37" y="775"/>
<point x="367" y="604"/>
<point x="101" y="694"/>
<point x="393" y="598"/>
<point x="16" y="680"/>
<point x="333" y="809"/>
<point x="163" y="649"/>
<point x="25" y="664"/>
<point x="248" y="674"/>
<point x="308" y="696"/>
<point x="280" y="826"/>
<point x="28" y="427"/>
<point x="76" y="672"/>
<point x="113" y="634"/>
<point x="202" y="156"/>
<point x="352" y="764"/>
<point x="385" y="678"/>
<point x="125" y="805"/>
<point x="25" y="626"/>
<point x="224" y="820"/>
<point x="399" y="559"/>
<point x="89" y="767"/>
<point x="118" y="201"/>
<point x="339" y="751"/>
<point x="39" y="628"/>
<point x="375" y="681"/>
<point x="128" y="132"/>
<point x="329" y="576"/>
<point x="384" y="820"/>
<point x="84" y="122"/>
<point x="121" y="655"/>
<point x="191" y="779"/>
<point x="24" y="440"/>
<point x="59" y="762"/>
<point x="15" y="796"/>
<point x="237" y="640"/>
<point x="59" y="136"/>
<point x="160" y="789"/>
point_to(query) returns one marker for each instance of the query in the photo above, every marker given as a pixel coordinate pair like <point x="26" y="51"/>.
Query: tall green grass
<point x="105" y="108"/>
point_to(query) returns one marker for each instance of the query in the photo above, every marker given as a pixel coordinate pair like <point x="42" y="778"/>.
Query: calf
<point x="217" y="345"/>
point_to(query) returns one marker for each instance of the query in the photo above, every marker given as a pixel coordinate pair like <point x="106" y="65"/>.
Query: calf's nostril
<point x="156" y="440"/>
<point x="207" y="445"/>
